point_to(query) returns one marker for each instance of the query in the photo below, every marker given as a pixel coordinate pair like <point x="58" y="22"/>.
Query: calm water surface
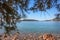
<point x="38" y="26"/>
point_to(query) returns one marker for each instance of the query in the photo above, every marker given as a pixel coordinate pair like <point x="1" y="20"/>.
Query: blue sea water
<point x="39" y="26"/>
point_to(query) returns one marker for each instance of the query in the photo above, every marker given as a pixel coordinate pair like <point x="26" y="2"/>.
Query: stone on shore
<point x="48" y="37"/>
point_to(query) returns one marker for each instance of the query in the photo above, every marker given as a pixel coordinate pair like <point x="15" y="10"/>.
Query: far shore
<point x="40" y="20"/>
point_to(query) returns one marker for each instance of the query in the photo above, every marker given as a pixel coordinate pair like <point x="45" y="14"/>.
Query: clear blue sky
<point x="49" y="14"/>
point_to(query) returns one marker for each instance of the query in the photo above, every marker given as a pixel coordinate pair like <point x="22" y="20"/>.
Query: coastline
<point x="30" y="36"/>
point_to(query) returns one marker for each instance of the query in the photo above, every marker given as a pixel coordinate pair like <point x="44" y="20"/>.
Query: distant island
<point x="57" y="18"/>
<point x="29" y="20"/>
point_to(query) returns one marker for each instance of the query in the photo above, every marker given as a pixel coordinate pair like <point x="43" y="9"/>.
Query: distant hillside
<point x="29" y="20"/>
<point x="57" y="18"/>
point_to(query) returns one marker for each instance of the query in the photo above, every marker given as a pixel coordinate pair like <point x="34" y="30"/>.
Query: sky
<point x="49" y="14"/>
<point x="41" y="15"/>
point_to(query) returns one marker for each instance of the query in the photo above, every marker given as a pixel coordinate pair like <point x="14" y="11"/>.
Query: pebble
<point x="18" y="36"/>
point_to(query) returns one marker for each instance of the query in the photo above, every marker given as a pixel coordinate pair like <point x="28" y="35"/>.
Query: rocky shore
<point x="20" y="36"/>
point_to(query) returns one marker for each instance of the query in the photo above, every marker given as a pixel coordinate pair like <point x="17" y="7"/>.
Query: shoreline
<point x="29" y="36"/>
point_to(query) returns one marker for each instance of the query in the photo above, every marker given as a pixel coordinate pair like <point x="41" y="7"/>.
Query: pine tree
<point x="8" y="9"/>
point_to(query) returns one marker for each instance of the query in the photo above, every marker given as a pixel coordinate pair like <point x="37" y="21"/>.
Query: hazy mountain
<point x="29" y="20"/>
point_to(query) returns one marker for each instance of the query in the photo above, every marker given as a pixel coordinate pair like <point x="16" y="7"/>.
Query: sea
<point x="37" y="27"/>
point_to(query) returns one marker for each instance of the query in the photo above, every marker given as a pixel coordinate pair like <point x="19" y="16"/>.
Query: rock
<point x="48" y="37"/>
<point x="40" y="37"/>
